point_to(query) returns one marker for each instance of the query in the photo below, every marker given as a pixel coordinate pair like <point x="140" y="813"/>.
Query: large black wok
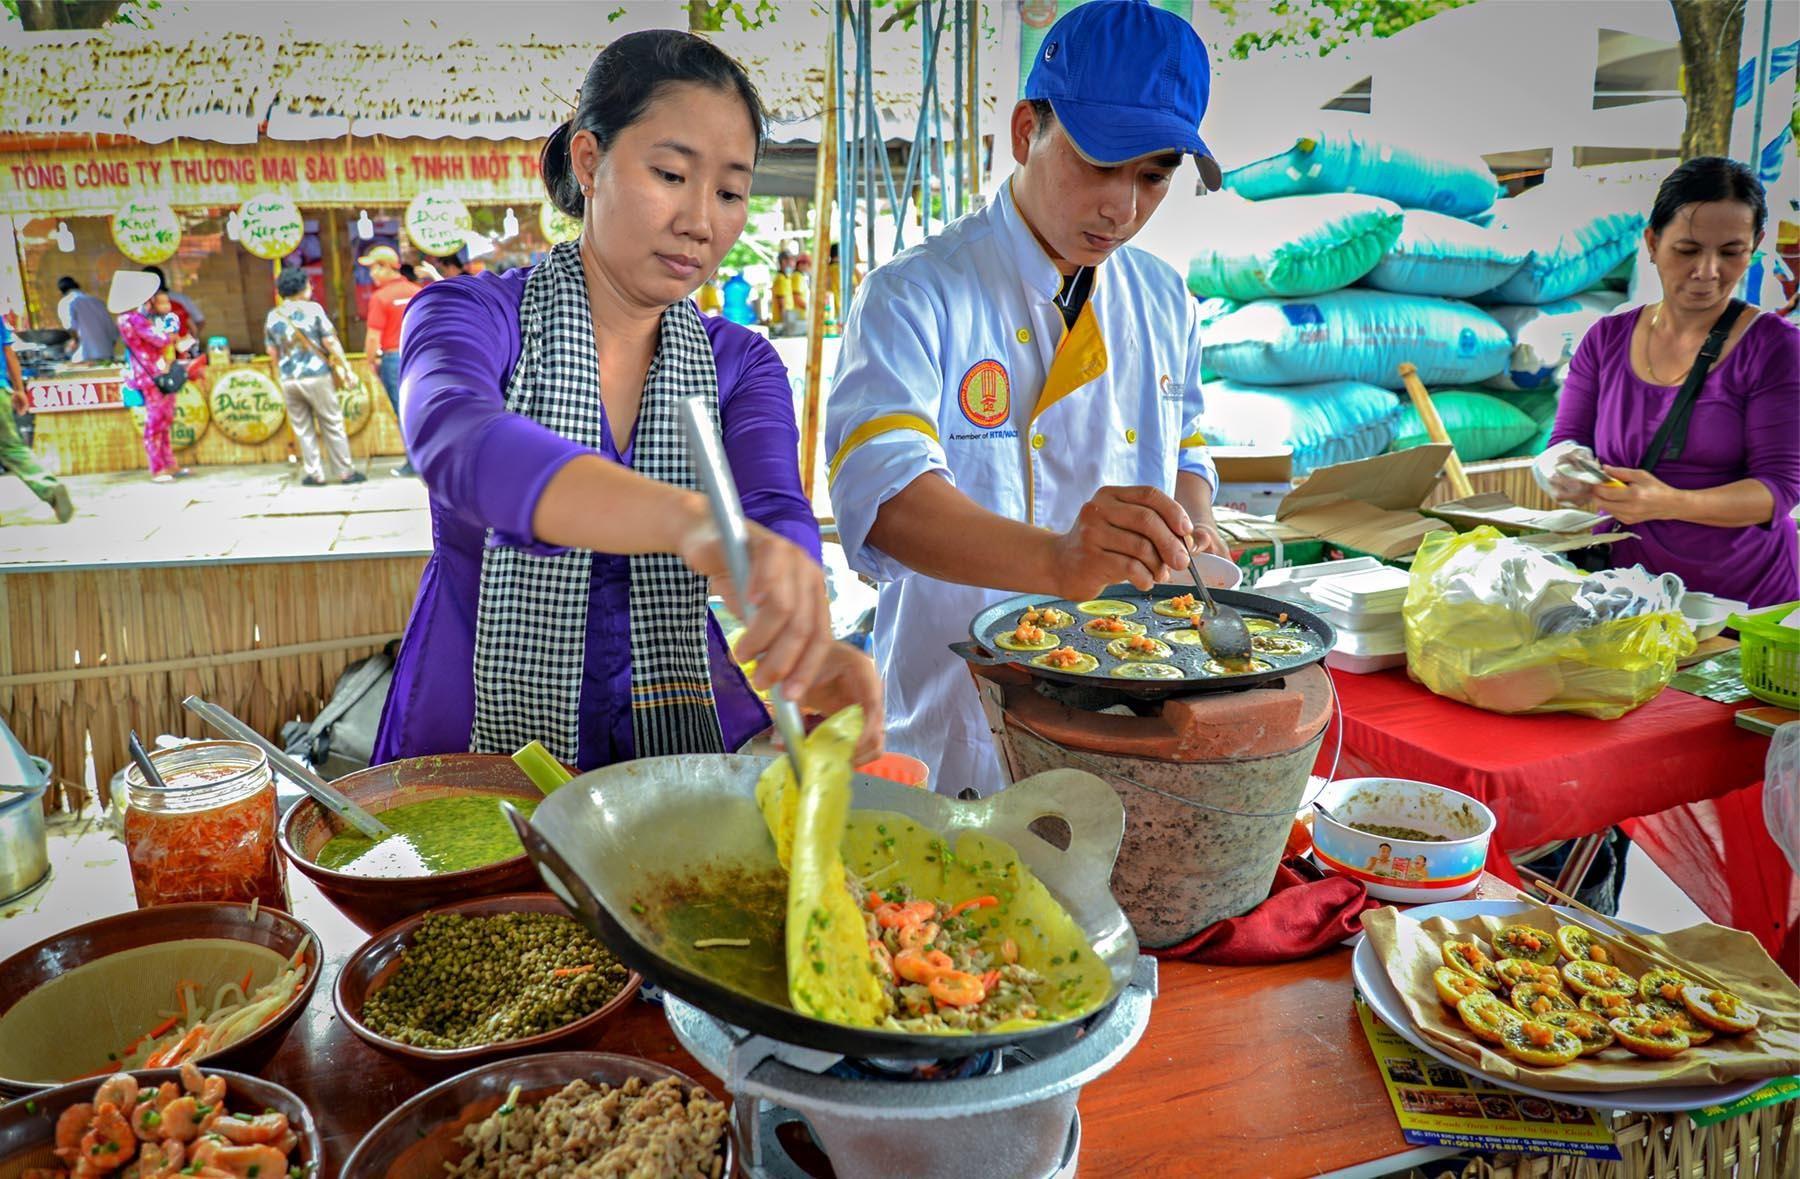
<point x="652" y="855"/>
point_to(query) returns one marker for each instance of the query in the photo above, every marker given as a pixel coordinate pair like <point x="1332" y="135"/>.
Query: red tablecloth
<point x="1546" y="777"/>
<point x="1719" y="853"/>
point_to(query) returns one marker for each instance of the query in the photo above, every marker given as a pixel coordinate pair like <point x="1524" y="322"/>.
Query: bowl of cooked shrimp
<point x="155" y="1123"/>
<point x="216" y="984"/>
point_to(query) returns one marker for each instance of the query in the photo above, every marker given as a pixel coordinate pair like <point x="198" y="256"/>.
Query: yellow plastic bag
<point x="1500" y="625"/>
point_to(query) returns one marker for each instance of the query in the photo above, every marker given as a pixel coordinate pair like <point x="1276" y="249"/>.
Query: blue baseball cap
<point x="1126" y="80"/>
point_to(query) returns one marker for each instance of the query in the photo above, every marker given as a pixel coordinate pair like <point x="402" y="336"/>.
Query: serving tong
<point x="734" y="533"/>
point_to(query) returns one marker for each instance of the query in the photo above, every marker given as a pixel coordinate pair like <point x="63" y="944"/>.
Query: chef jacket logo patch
<point x="986" y="394"/>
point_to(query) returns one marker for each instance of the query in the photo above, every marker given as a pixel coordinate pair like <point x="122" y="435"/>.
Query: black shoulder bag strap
<point x="1671" y="436"/>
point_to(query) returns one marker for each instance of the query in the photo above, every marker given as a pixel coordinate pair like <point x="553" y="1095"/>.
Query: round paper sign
<point x="357" y="407"/>
<point x="438" y="223"/>
<point x="247" y="406"/>
<point x="556" y="225"/>
<point x="146" y="231"/>
<point x="270" y="225"/>
<point x="191" y="417"/>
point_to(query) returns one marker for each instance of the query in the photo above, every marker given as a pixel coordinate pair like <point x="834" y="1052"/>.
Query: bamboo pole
<point x="824" y="186"/>
<point x="1434" y="426"/>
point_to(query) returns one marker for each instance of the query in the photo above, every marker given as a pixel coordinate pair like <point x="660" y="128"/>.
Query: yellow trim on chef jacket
<point x="877" y="426"/>
<point x="1080" y="359"/>
<point x="1193" y="440"/>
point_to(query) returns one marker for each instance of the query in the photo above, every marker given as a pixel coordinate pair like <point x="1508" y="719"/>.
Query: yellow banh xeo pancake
<point x="885" y="849"/>
<point x="1111" y="628"/>
<point x="1138" y="649"/>
<point x="1025" y="638"/>
<point x="1081" y="664"/>
<point x="1183" y="636"/>
<point x="1147" y="671"/>
<point x="1107" y="607"/>
<point x="830" y="973"/>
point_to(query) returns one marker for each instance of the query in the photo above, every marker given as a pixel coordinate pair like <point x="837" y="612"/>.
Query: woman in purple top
<point x="565" y="598"/>
<point x="1717" y="511"/>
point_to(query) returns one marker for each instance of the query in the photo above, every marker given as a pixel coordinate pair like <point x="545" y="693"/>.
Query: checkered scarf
<point x="531" y="620"/>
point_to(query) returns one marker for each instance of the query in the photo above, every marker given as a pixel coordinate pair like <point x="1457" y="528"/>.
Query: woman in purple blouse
<point x="565" y="598"/>
<point x="1718" y="510"/>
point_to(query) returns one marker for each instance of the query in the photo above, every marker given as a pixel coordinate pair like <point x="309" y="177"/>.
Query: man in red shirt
<point x="386" y="307"/>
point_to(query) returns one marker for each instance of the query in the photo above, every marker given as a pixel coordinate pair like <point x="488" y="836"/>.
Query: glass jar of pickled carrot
<point x="209" y="834"/>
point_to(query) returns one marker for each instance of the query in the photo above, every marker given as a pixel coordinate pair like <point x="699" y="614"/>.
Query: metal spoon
<point x="328" y="796"/>
<point x="1224" y="633"/>
<point x="734" y="533"/>
<point x="145" y="767"/>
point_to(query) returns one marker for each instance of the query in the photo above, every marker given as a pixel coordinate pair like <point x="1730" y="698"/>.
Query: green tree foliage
<point x="1324" y="24"/>
<point x="38" y="16"/>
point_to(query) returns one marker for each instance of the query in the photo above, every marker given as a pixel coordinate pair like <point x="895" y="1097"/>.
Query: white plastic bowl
<point x="1391" y="868"/>
<point x="1218" y="572"/>
<point x="1707" y="614"/>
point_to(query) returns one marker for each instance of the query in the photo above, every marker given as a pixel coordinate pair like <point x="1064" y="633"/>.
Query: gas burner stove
<point x="804" y="1114"/>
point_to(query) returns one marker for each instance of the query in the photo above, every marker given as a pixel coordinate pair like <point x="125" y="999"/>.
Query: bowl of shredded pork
<point x="564" y="1115"/>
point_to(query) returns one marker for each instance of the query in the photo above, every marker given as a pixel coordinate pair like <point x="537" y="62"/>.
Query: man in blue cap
<point x="1016" y="406"/>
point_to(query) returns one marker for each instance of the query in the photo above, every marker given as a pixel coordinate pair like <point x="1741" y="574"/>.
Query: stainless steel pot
<point x="24" y="846"/>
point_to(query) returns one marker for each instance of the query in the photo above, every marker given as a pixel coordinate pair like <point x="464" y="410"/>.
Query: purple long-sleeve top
<point x="1746" y="425"/>
<point x="486" y="468"/>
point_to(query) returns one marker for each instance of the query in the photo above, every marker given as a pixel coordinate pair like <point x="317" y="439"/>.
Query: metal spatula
<point x="1222" y="629"/>
<point x="728" y="515"/>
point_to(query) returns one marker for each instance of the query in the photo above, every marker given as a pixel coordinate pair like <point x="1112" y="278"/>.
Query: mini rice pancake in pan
<point x="1025" y="637"/>
<point x="1146" y="671"/>
<point x="1048" y="617"/>
<point x="1179" y="606"/>
<point x="1214" y="667"/>
<point x="1138" y="649"/>
<point x="1105" y="607"/>
<point x="1067" y="659"/>
<point x="1111" y="628"/>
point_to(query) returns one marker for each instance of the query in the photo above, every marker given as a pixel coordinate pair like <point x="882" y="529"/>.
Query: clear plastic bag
<point x="1781" y="792"/>
<point x="1500" y="625"/>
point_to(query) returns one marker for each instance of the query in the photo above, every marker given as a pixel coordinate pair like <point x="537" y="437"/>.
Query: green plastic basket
<point x="1770" y="655"/>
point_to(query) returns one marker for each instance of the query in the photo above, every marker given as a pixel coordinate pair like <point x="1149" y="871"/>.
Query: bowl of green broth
<point x="451" y="841"/>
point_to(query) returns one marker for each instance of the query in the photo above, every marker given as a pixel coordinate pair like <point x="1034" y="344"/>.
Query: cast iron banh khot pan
<point x="1003" y="616"/>
<point x="653" y="854"/>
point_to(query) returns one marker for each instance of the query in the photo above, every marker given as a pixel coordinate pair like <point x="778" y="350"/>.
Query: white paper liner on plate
<point x="1410" y="951"/>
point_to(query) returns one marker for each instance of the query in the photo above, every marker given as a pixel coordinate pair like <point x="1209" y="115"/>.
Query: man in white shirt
<point x="1017" y="402"/>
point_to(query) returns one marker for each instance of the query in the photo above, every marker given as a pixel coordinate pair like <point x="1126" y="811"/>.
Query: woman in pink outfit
<point x="150" y="344"/>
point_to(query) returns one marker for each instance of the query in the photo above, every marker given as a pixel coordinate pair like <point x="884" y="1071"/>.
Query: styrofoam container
<point x="1383" y="640"/>
<point x="1395" y="869"/>
<point x="1364" y="664"/>
<point x="1293" y="583"/>
<point x="1707" y="614"/>
<point x="1362" y="597"/>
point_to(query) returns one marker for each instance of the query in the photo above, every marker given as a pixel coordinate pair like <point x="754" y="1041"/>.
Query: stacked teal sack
<point x="1357" y="335"/>
<point x="1481" y="425"/>
<point x="1441" y="255"/>
<point x="1341" y="160"/>
<point x="1324" y="423"/>
<point x="1290" y="246"/>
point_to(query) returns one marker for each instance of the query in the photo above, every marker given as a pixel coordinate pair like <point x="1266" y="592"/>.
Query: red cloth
<point x="1719" y="853"/>
<point x="1547" y="777"/>
<point x="1304" y="915"/>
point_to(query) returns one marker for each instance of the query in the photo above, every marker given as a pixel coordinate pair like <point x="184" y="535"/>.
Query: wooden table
<point x="1243" y="1071"/>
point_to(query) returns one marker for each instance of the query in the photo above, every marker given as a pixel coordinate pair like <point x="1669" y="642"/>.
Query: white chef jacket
<point x="956" y="360"/>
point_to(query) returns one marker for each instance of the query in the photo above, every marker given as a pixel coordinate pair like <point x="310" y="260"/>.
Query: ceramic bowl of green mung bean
<point x="481" y="979"/>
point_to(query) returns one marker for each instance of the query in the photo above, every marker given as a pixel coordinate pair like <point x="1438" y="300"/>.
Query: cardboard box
<point x="1371" y="505"/>
<point x="1494" y="508"/>
<point x="1254" y="464"/>
<point x="1256" y="499"/>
